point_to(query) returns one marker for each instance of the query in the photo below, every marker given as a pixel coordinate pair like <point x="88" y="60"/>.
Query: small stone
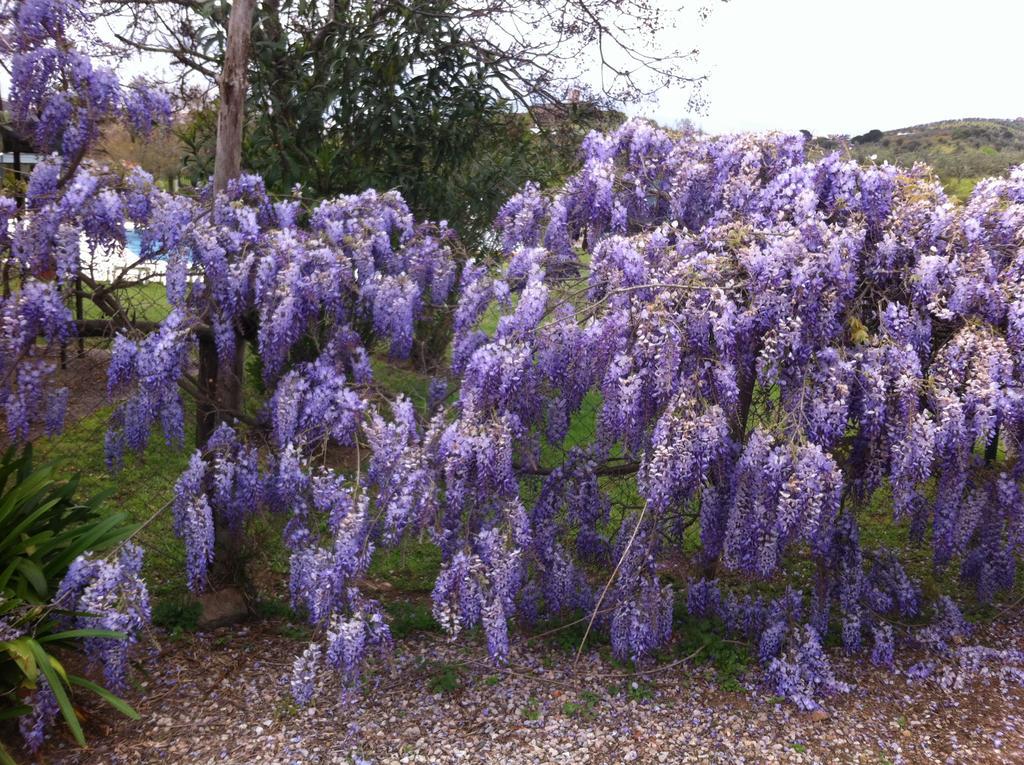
<point x="221" y="608"/>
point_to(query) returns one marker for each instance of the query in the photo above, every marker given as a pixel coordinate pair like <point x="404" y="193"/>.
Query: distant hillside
<point x="960" y="151"/>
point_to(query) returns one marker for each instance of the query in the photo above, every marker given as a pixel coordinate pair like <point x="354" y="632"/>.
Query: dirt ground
<point x="223" y="697"/>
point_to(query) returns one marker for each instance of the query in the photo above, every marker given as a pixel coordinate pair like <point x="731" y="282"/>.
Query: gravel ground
<point x="223" y="697"/>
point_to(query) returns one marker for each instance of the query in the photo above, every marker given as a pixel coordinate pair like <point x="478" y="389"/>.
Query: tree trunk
<point x="222" y="389"/>
<point x="231" y="115"/>
<point x="206" y="404"/>
<point x="221" y="384"/>
<point x="746" y="382"/>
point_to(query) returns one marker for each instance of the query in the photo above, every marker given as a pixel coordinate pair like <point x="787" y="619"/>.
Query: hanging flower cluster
<point x="107" y="595"/>
<point x="361" y="263"/>
<point x="59" y="92"/>
<point x="95" y="596"/>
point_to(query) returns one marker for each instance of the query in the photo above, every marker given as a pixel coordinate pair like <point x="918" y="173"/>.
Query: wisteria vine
<point x="710" y="341"/>
<point x="767" y="343"/>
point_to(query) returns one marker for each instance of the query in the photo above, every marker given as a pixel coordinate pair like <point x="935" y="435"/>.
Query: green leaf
<point x="116" y="702"/>
<point x="26" y="523"/>
<point x="20" y="492"/>
<point x="83" y="633"/>
<point x="15" y="711"/>
<point x="34" y="574"/>
<point x="5" y="758"/>
<point x="109" y="530"/>
<point x="96" y="500"/>
<point x="59" y="667"/>
<point x="9" y="465"/>
<point x="47" y="664"/>
<point x="25" y="463"/>
<point x="7" y="573"/>
<point x="20" y="651"/>
<point x="41" y="542"/>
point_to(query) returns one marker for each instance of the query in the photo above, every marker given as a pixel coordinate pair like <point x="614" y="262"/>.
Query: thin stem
<point x="608" y="584"/>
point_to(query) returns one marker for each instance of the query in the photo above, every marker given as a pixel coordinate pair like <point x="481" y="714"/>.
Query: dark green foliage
<point x="634" y="690"/>
<point x="446" y="679"/>
<point x="43" y="529"/>
<point x="198" y="136"/>
<point x="639" y="690"/>
<point x="583" y="708"/>
<point x="531" y="710"/>
<point x="872" y="136"/>
<point x="707" y="639"/>
<point x="274" y="608"/>
<point x="299" y="632"/>
<point x="388" y="95"/>
<point x="410" y="567"/>
<point x="354" y="91"/>
<point x="176" y="614"/>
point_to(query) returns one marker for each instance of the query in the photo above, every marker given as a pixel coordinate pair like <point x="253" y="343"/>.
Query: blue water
<point x="133" y="242"/>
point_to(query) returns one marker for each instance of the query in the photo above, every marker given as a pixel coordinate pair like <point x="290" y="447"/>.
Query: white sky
<point x="850" y="66"/>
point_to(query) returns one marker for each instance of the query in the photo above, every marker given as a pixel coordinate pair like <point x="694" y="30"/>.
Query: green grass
<point x="634" y="690"/>
<point x="960" y="188"/>
<point x="408" y="616"/>
<point x="729" y="659"/>
<point x="410" y="567"/>
<point x="275" y="608"/>
<point x="566" y="634"/>
<point x="878" y="530"/>
<point x="396" y="379"/>
<point x="143" y="302"/>
<point x="172" y="614"/>
<point x="298" y="632"/>
<point x="531" y="710"/>
<point x="143" y="489"/>
<point x="584" y="707"/>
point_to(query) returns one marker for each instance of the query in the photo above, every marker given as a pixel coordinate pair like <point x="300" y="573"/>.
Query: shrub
<point x="872" y="136"/>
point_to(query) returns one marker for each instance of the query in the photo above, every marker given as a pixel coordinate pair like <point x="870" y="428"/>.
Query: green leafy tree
<point x="436" y="98"/>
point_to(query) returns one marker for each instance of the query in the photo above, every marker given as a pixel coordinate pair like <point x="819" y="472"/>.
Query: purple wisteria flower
<point x="107" y="595"/>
